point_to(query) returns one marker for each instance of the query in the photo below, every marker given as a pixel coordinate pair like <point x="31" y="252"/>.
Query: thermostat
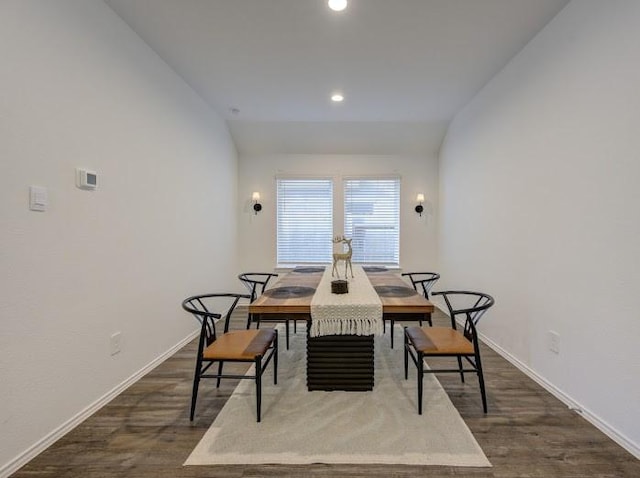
<point x="86" y="179"/>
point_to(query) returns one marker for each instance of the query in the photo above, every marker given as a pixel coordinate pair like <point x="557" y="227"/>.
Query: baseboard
<point x="73" y="422"/>
<point x="574" y="405"/>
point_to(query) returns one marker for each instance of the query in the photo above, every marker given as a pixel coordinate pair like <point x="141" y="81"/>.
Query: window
<point x="305" y="221"/>
<point x="372" y="219"/>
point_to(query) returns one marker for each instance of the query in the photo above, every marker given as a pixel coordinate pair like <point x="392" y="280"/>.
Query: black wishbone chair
<point x="422" y="282"/>
<point x="421" y="342"/>
<point x="248" y="346"/>
<point x="256" y="283"/>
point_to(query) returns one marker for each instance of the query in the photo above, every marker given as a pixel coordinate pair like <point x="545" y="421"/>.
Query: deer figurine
<point x="342" y="256"/>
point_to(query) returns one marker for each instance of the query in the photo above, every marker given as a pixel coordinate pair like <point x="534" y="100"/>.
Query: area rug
<point x="301" y="427"/>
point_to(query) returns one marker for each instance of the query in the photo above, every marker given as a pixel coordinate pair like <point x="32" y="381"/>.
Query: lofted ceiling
<point x="269" y="67"/>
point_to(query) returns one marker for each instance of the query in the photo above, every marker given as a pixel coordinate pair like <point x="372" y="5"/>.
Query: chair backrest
<point x="209" y="309"/>
<point x="471" y="304"/>
<point x="423" y="281"/>
<point x="256" y="282"/>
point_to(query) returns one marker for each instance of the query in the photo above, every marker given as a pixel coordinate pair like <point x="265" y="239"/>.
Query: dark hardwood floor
<point x="146" y="432"/>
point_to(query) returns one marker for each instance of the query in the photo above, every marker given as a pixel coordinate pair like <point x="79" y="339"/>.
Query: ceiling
<point x="269" y="67"/>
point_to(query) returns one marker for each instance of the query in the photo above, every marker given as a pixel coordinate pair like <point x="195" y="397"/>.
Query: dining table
<point x="339" y="361"/>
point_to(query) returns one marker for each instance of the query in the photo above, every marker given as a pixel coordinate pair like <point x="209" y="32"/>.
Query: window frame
<point x="376" y="227"/>
<point x="287" y="252"/>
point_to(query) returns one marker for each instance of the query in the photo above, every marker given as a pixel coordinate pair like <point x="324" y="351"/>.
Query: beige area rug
<point x="302" y="427"/>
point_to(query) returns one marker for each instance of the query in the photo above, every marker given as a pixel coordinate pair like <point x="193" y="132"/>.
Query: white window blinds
<point x="372" y="219"/>
<point x="305" y="221"/>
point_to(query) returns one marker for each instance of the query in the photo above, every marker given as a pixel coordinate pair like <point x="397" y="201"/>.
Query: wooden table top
<point x="401" y="304"/>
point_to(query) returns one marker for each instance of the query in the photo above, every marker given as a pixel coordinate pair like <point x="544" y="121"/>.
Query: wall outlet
<point x="115" y="343"/>
<point x="554" y="342"/>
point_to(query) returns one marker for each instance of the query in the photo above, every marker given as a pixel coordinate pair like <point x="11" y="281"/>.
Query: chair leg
<point x="392" y="325"/>
<point x="429" y="320"/>
<point x="220" y="365"/>
<point x="420" y="380"/>
<point x="249" y="321"/>
<point x="258" y="362"/>
<point x="295" y="326"/>
<point x="275" y="360"/>
<point x="406" y="355"/>
<point x="287" y="332"/>
<point x="460" y="368"/>
<point x="194" y="393"/>
<point x="481" y="382"/>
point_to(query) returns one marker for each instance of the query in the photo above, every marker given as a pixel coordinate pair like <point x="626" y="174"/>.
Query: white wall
<point x="258" y="173"/>
<point x="540" y="207"/>
<point x="78" y="88"/>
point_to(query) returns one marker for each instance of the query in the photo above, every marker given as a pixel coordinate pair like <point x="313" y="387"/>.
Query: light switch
<point x="38" y="198"/>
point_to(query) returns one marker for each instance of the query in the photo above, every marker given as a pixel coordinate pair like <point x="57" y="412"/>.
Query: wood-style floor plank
<point x="145" y="432"/>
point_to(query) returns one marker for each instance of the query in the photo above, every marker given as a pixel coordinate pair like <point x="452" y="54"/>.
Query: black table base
<point x="340" y="362"/>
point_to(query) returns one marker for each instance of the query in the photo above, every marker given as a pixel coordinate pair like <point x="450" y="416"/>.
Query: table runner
<point x="358" y="312"/>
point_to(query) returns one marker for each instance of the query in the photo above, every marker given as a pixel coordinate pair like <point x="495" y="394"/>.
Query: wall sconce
<point x="420" y="200"/>
<point x="257" y="207"/>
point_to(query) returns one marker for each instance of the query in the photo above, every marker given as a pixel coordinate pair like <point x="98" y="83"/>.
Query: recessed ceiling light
<point x="337" y="97"/>
<point x="337" y="5"/>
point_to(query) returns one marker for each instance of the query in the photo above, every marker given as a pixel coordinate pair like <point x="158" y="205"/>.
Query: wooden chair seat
<point x="240" y="345"/>
<point x="439" y="341"/>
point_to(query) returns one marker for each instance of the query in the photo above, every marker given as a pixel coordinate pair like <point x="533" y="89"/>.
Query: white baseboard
<point x="574" y="405"/>
<point x="37" y="448"/>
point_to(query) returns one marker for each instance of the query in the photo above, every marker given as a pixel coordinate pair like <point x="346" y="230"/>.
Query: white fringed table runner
<point x="358" y="312"/>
